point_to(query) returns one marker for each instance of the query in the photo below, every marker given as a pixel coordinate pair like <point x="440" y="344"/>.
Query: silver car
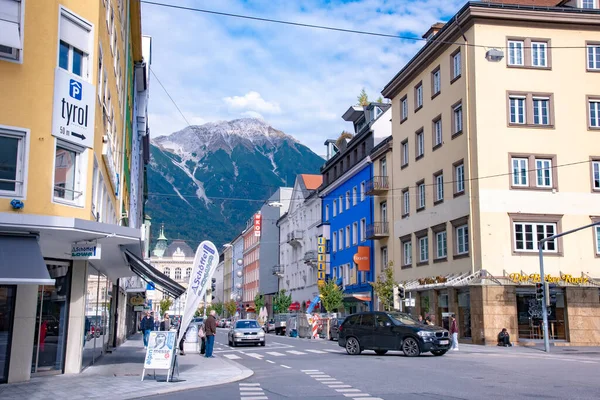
<point x="246" y="331"/>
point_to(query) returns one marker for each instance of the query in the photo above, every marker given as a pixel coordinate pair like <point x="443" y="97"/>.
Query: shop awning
<point x="150" y="274"/>
<point x="21" y="262"/>
<point x="357" y="297"/>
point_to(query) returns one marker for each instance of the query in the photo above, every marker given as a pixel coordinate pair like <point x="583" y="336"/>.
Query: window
<point x="594" y="113"/>
<point x="348" y="236"/>
<point x="406" y="253"/>
<point x="341" y="239"/>
<point x="596" y="175"/>
<point x="420" y="144"/>
<point x="418" y="96"/>
<point x="403" y="109"/>
<point x="420" y="195"/>
<point x="588" y="4"/>
<point x="437" y="132"/>
<point x="188" y="272"/>
<point x="515" y="52"/>
<point x="348" y="200"/>
<point x="384" y="257"/>
<point x="11" y="26"/>
<point x="405" y="202"/>
<point x="538" y="54"/>
<point x="517" y="110"/>
<point x="100" y="74"/>
<point x="334" y="244"/>
<point x="67" y="174"/>
<point x="355" y="233"/>
<point x="457" y="119"/>
<point x="456" y="65"/>
<point x="520" y="171"/>
<point x="441" y="245"/>
<point x="404" y="154"/>
<point x="436" y="82"/>
<point x="354" y="196"/>
<point x="177" y="274"/>
<point x="334" y="208"/>
<point x="341" y="204"/>
<point x="327" y="212"/>
<point x="383" y="214"/>
<point x="597" y="237"/>
<point x="363" y="230"/>
<point x="13" y="162"/>
<point x="383" y="167"/>
<point x="362" y="190"/>
<point x="462" y="239"/>
<point x="439" y="187"/>
<point x="74" y="44"/>
<point x="541" y="107"/>
<point x="593" y="56"/>
<point x="543" y="173"/>
<point x="167" y="272"/>
<point x="459" y="178"/>
<point x="423" y="249"/>
<point x="528" y="234"/>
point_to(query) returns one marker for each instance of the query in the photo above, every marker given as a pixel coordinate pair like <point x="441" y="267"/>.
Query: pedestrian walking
<point x="147" y="325"/>
<point x="210" y="330"/>
<point x="165" y="325"/>
<point x="454" y="332"/>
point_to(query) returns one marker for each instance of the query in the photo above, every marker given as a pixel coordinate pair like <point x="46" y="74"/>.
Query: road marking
<point x="232" y="356"/>
<point x="326" y="379"/>
<point x="255" y="398"/>
<point x="332" y="350"/>
<point x="295" y="352"/>
<point x="255" y="355"/>
<point x="285" y="366"/>
<point x="347" y="390"/>
<point x="249" y="384"/>
<point x="249" y="389"/>
<point x="316" y="351"/>
<point x="589" y="362"/>
<point x="357" y="395"/>
<point x="339" y="386"/>
<point x="309" y="370"/>
<point x="269" y="361"/>
<point x="321" y="376"/>
<point x="274" y="353"/>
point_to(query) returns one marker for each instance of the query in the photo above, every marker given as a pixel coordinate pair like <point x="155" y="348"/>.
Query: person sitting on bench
<point x="504" y="338"/>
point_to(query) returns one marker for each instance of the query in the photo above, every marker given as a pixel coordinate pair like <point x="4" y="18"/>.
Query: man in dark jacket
<point x="210" y="329"/>
<point x="146" y="326"/>
<point x="165" y="325"/>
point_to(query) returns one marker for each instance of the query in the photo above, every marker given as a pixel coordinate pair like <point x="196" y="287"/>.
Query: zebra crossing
<point x="240" y="354"/>
<point x="252" y="391"/>
<point x="338" y="386"/>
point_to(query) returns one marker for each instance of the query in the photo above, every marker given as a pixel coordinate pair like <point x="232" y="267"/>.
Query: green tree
<point x="282" y="301"/>
<point x="380" y="99"/>
<point x="331" y="296"/>
<point x="384" y="287"/>
<point x="259" y="301"/>
<point x="165" y="304"/>
<point x="231" y="307"/>
<point x="218" y="307"/>
<point x="363" y="98"/>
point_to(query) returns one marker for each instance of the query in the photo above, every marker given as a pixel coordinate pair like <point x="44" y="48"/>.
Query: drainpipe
<point x="123" y="113"/>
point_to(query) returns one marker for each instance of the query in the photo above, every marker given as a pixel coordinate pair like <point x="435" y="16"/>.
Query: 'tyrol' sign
<point x="74" y="109"/>
<point x="85" y="251"/>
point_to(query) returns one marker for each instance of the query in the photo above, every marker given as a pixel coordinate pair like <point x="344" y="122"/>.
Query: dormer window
<point x="376" y="112"/>
<point x="360" y="125"/>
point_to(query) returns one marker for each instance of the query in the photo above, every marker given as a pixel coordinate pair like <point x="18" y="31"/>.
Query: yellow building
<point x="74" y="78"/>
<point x="494" y="123"/>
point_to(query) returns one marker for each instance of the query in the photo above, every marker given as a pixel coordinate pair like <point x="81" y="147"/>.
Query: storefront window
<point x="464" y="314"/>
<point x="7" y="309"/>
<point x="51" y="320"/>
<point x="530" y="314"/>
<point x="443" y="310"/>
<point x="97" y="322"/>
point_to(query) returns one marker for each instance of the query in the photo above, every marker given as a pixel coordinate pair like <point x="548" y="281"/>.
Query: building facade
<point x="66" y="190"/>
<point x="496" y="154"/>
<point x="299" y="229"/>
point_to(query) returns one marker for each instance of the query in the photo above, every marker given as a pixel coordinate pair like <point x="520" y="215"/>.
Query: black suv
<point x="383" y="331"/>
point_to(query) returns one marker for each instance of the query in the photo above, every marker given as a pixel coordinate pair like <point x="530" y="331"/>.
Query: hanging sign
<point x="85" y="251"/>
<point x="362" y="258"/>
<point x="257" y="224"/>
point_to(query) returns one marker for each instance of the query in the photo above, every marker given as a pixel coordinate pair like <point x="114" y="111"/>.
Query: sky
<point x="299" y="80"/>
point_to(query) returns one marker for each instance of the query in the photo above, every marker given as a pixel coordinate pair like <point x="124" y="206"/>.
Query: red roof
<point x="312" y="182"/>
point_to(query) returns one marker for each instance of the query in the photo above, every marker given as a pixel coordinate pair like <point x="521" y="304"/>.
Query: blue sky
<point x="300" y="80"/>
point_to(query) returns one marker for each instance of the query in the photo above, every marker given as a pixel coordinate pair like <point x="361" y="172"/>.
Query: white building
<point x="299" y="229"/>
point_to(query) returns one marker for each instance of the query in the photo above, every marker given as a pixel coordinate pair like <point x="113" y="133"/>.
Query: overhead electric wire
<point x="331" y="28"/>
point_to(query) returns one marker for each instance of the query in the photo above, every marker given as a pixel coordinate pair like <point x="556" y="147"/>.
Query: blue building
<point x="347" y="210"/>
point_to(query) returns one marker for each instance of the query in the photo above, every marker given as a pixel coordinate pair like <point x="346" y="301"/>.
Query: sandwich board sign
<point x="160" y="352"/>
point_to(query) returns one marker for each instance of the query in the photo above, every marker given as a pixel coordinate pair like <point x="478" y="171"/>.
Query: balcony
<point x="278" y="270"/>
<point x="310" y="257"/>
<point x="378" y="230"/>
<point x="378" y="185"/>
<point x="294" y="238"/>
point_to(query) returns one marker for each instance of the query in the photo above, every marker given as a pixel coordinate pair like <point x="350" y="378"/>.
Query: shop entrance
<point x="529" y="311"/>
<point x="7" y="311"/>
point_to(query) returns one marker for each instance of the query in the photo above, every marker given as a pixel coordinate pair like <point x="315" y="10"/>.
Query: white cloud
<point x="252" y="101"/>
<point x="253" y="114"/>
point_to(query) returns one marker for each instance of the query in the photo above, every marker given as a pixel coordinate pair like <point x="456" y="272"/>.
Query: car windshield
<point x="404" y="319"/>
<point x="246" y="324"/>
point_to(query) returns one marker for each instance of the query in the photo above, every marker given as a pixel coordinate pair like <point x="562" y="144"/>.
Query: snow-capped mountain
<point x="205" y="181"/>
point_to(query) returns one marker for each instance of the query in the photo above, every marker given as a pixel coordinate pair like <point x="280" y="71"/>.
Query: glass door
<point x="51" y="321"/>
<point x="7" y="311"/>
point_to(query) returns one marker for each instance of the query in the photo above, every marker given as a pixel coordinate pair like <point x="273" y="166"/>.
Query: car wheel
<point x="353" y="346"/>
<point x="263" y="344"/>
<point x="410" y="347"/>
<point x="438" y="352"/>
<point x="380" y="352"/>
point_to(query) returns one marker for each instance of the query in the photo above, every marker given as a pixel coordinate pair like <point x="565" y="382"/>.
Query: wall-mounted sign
<point x="321" y="241"/>
<point x="257" y="224"/>
<point x="74" y="109"/>
<point x="536" y="278"/>
<point x="362" y="258"/>
<point x="432" y="280"/>
<point x="321" y="260"/>
<point x="85" y="251"/>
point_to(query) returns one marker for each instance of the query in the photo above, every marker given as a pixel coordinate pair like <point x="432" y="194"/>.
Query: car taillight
<point x="340" y="328"/>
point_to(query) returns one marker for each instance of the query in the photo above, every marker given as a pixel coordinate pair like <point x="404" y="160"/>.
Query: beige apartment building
<point x="496" y="122"/>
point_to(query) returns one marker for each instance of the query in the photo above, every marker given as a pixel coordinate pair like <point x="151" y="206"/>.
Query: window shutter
<point x="74" y="32"/>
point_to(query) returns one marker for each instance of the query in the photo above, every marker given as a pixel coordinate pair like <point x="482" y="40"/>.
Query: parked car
<point x="334" y="325"/>
<point x="246" y="331"/>
<point x="228" y="323"/>
<point x="381" y="332"/>
<point x="269" y="326"/>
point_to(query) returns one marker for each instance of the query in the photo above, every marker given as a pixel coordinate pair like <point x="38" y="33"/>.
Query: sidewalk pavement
<point x="117" y="376"/>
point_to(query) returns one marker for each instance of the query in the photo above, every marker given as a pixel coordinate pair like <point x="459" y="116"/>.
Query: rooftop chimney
<point x="435" y="28"/>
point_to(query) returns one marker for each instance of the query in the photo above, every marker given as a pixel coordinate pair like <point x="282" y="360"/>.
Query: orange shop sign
<point x="363" y="258"/>
<point x="257" y="223"/>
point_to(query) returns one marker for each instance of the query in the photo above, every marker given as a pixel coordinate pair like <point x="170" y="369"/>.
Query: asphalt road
<point x="292" y="368"/>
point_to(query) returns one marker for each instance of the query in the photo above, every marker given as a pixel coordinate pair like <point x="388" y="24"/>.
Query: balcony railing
<point x="294" y="238"/>
<point x="278" y="270"/>
<point x="310" y="257"/>
<point x="377" y="185"/>
<point x="378" y="230"/>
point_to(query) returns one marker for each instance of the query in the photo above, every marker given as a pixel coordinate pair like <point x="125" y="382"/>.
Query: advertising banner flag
<point x="205" y="264"/>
